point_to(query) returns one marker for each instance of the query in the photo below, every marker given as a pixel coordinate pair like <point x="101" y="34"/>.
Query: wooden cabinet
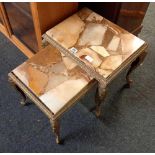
<point x="125" y="14"/>
<point x="24" y="23"/>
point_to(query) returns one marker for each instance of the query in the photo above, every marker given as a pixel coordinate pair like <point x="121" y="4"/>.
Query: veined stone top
<point x="97" y="42"/>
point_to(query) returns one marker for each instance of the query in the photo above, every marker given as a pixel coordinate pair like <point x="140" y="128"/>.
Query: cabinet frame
<point x="6" y="30"/>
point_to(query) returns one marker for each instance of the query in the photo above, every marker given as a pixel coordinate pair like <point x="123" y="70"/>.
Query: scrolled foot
<point x="58" y="140"/>
<point x="23" y="102"/>
<point x="98" y="112"/>
<point x="56" y="129"/>
<point x="129" y="83"/>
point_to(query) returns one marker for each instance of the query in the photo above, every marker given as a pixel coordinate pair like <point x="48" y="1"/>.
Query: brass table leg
<point x="99" y="98"/>
<point x="134" y="65"/>
<point x="56" y="129"/>
<point x="23" y="100"/>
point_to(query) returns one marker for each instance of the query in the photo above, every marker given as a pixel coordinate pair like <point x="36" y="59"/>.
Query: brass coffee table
<point x="84" y="50"/>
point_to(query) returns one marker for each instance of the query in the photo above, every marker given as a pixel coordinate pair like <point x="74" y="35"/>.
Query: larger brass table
<point x="84" y="49"/>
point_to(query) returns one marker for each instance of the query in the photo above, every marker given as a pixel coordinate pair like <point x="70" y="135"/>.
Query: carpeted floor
<point x="127" y="123"/>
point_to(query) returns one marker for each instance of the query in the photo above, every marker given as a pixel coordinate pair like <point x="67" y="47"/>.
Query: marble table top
<point x="53" y="78"/>
<point x="97" y="42"/>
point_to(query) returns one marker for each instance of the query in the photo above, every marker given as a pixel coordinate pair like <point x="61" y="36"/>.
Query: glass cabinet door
<point x="1" y="22"/>
<point x="1" y="17"/>
<point x="21" y="23"/>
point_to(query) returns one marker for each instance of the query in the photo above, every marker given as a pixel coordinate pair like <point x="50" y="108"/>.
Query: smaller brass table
<point x="85" y="49"/>
<point x="53" y="83"/>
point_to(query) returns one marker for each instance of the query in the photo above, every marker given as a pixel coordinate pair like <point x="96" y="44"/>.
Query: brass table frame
<point x="54" y="118"/>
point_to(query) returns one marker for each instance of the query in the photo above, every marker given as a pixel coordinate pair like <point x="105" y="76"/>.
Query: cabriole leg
<point x="134" y="65"/>
<point x="23" y="100"/>
<point x="56" y="129"/>
<point x="99" y="98"/>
